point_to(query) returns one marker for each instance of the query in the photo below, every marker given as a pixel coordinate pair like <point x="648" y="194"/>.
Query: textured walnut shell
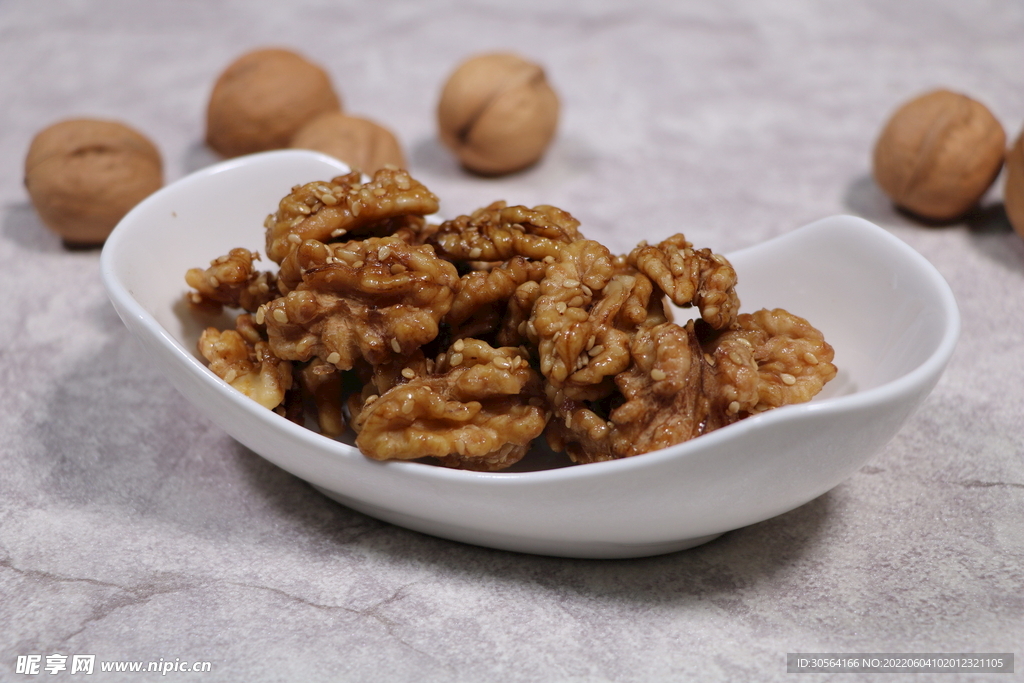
<point x="497" y="113"/>
<point x="1013" y="190"/>
<point x="263" y="98"/>
<point x="84" y="175"/>
<point x="360" y="143"/>
<point x="938" y="154"/>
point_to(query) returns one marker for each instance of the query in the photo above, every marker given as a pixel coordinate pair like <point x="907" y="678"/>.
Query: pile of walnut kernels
<point x="465" y="341"/>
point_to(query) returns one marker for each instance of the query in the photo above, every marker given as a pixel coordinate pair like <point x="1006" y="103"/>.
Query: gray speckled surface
<point x="133" y="529"/>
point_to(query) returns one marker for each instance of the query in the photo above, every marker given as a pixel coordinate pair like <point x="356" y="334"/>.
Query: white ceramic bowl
<point x="890" y="316"/>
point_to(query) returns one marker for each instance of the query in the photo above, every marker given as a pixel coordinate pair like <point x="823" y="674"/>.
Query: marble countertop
<point x="133" y="529"/>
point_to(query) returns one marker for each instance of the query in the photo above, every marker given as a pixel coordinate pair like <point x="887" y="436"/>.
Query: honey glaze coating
<point x="369" y="299"/>
<point x="462" y="342"/>
<point x="476" y="408"/>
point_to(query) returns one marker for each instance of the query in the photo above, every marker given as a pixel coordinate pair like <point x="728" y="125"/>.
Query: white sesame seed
<point x="787" y="379"/>
<point x="280" y="315"/>
<point x="294" y="239"/>
<point x="396" y="346"/>
<point x="456" y="359"/>
<point x="657" y="374"/>
<point x="734" y="407"/>
<point x="334" y="357"/>
<point x="811" y="358"/>
<point x="459" y="345"/>
<point x="408" y="373"/>
<point x="476" y="252"/>
<point x="260" y="315"/>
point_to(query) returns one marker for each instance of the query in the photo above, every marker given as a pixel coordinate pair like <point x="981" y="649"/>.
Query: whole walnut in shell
<point x="1013" y="191"/>
<point x="938" y="154"/>
<point x="84" y="175"/>
<point x="359" y="142"/>
<point x="497" y="113"/>
<point x="263" y="98"/>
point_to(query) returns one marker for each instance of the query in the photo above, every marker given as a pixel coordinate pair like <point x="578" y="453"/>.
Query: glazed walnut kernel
<point x="463" y="342"/>
<point x="478" y="408"/>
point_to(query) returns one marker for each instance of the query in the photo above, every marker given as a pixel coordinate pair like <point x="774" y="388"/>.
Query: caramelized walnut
<point x="322" y="382"/>
<point x="325" y="211"/>
<point x="486" y="305"/>
<point x="366" y="289"/>
<point x="498" y="232"/>
<point x="372" y="299"/>
<point x="232" y="281"/>
<point x="691" y="277"/>
<point x="242" y="359"/>
<point x="560" y="325"/>
<point x="477" y="407"/>
<point x="768" y="359"/>
<point x="663" y="398"/>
